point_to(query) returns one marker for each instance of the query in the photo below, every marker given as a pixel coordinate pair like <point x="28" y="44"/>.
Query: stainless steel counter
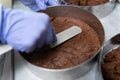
<point x="111" y="25"/>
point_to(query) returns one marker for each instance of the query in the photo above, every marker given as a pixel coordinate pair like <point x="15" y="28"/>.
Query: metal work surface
<point x="111" y="24"/>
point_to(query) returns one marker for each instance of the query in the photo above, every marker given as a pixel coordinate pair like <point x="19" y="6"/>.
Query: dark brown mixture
<point x="87" y="2"/>
<point x="111" y="65"/>
<point x="71" y="53"/>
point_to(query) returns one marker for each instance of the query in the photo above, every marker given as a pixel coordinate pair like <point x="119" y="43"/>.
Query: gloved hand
<point x="37" y="5"/>
<point x="25" y="31"/>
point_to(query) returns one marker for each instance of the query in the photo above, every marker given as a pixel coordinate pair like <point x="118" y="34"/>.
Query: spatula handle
<point x="5" y="48"/>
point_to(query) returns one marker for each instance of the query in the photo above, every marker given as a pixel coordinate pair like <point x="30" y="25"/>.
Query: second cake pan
<point x="99" y="11"/>
<point x="110" y="45"/>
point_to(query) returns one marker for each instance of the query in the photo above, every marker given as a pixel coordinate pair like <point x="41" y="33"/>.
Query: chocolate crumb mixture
<point x="87" y="2"/>
<point x="71" y="53"/>
<point x="111" y="65"/>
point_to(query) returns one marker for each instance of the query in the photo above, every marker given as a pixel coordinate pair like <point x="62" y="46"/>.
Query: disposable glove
<point x="25" y="31"/>
<point x="37" y="5"/>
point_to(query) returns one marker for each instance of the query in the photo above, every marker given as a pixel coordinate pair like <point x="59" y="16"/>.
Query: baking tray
<point x="111" y="26"/>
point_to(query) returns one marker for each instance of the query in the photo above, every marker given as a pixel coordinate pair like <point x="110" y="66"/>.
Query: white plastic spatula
<point x="5" y="49"/>
<point x="61" y="37"/>
<point x="66" y="35"/>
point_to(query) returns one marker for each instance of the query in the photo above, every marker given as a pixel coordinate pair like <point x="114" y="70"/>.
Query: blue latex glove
<point x="25" y="31"/>
<point x="37" y="5"/>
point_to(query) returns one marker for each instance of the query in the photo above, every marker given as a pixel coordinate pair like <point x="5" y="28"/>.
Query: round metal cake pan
<point x="100" y="11"/>
<point x="111" y="44"/>
<point x="76" y="71"/>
